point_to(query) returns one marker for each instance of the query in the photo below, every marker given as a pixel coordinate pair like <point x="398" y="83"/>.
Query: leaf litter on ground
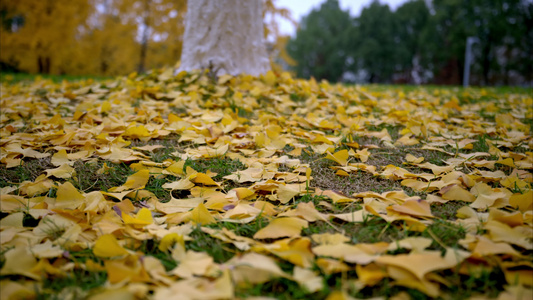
<point x="119" y="181"/>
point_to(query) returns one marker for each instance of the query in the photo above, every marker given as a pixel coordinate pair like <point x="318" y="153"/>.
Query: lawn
<point x="158" y="185"/>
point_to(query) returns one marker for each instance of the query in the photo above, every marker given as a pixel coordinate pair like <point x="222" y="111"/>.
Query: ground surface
<point x="157" y="185"/>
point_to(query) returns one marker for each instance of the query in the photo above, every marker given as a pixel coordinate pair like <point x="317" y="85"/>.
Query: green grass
<point x="25" y="77"/>
<point x="76" y="284"/>
<point x="223" y="166"/>
<point x="217" y="249"/>
<point x="443" y="232"/>
<point x="279" y="288"/>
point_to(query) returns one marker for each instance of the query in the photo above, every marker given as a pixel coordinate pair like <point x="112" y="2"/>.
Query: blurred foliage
<point x="322" y="43"/>
<point x="104" y="37"/>
<point x="420" y="42"/>
<point x="276" y="41"/>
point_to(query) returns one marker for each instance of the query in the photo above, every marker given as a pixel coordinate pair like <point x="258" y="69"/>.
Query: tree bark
<point x="145" y="36"/>
<point x="224" y="36"/>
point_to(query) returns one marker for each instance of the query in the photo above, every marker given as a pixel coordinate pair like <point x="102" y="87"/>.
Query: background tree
<point x="39" y="35"/>
<point x="280" y="60"/>
<point x="503" y="45"/>
<point x="110" y="40"/>
<point x="410" y="20"/>
<point x="523" y="61"/>
<point x="497" y="25"/>
<point x="225" y="36"/>
<point x="377" y="42"/>
<point x="321" y="46"/>
<point x="421" y="42"/>
<point x="107" y="37"/>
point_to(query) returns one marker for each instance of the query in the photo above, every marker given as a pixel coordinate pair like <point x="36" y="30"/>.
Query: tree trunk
<point x="145" y="36"/>
<point x="43" y="63"/>
<point x="225" y="36"/>
<point x="486" y="60"/>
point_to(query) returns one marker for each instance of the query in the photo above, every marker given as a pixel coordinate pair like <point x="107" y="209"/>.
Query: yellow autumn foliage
<point x="105" y="37"/>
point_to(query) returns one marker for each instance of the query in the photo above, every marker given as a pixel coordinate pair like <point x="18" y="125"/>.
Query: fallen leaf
<point x="19" y="261"/>
<point x="340" y="157"/>
<point x="134" y="182"/>
<point x="107" y="246"/>
<point x="254" y="268"/>
<point x="308" y="279"/>
<point x="281" y="227"/>
<point x="68" y="197"/>
<point x="417" y="208"/>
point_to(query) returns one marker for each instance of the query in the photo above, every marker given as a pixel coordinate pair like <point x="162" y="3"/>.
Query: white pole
<point x="468" y="59"/>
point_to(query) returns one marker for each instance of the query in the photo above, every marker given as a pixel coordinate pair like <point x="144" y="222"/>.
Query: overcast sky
<point x="301" y="8"/>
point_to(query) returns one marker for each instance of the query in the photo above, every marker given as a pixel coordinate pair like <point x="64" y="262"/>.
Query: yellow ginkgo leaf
<point x="175" y="169"/>
<point x="417" y="208"/>
<point x="200" y="215"/>
<point x="513" y="219"/>
<point x="191" y="263"/>
<point x="47" y="250"/>
<point x="13" y="220"/>
<point x="346" y="252"/>
<point x="501" y="232"/>
<point x="19" y="261"/>
<point x="308" y="173"/>
<point x="417" y="244"/>
<point x="107" y="246"/>
<point x="125" y="206"/>
<point x="60" y="158"/>
<point x="522" y="201"/>
<point x="507" y="162"/>
<point x="307" y="211"/>
<point x="420" y="264"/>
<point x="139" y="131"/>
<point x="414" y="160"/>
<point x="512" y="182"/>
<point x="127" y="269"/>
<point x="340" y="157"/>
<point x="485" y="247"/>
<point x="329" y="238"/>
<point x="296" y="251"/>
<point x="182" y="184"/>
<point x="143" y="217"/>
<point x="242" y="193"/>
<point x="363" y="154"/>
<point x="68" y="197"/>
<point x="330" y="266"/>
<point x="201" y="178"/>
<point x="134" y="182"/>
<point x="149" y="148"/>
<point x="489" y="197"/>
<point x="11" y="203"/>
<point x="342" y="173"/>
<point x="64" y="171"/>
<point x="16" y="290"/>
<point x="104" y="169"/>
<point x="169" y="240"/>
<point x="308" y="279"/>
<point x="455" y="192"/>
<point x="281" y="227"/>
<point x="370" y="274"/>
<point x="254" y="268"/>
<point x="337" y="197"/>
<point x="178" y="205"/>
<point x="269" y="78"/>
<point x="286" y="193"/>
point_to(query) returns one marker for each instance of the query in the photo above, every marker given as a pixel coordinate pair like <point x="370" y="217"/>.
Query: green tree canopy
<point x="321" y="46"/>
<point x="422" y="41"/>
